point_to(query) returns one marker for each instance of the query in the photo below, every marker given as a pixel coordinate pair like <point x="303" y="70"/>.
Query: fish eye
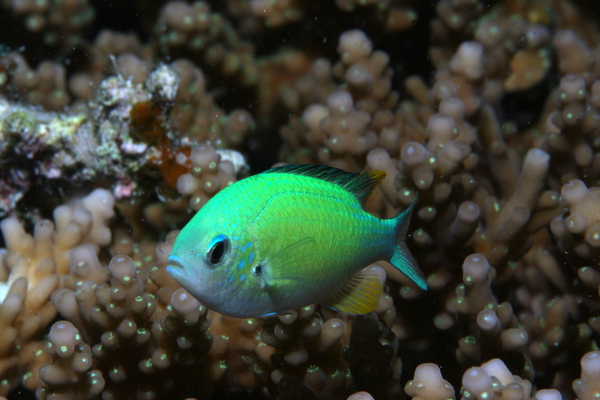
<point x="218" y="249"/>
<point x="257" y="270"/>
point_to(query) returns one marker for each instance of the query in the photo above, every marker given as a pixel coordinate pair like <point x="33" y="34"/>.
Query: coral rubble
<point x="117" y="124"/>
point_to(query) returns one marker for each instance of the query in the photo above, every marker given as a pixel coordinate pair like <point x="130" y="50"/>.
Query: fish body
<point x="290" y="237"/>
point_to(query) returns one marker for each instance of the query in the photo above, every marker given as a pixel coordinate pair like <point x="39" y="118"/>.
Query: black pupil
<point x="216" y="253"/>
<point x="258" y="269"/>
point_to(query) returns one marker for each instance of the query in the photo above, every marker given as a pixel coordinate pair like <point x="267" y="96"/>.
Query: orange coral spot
<point x="146" y="121"/>
<point x="169" y="163"/>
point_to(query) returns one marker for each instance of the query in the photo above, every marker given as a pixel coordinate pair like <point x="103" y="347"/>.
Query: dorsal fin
<point x="360" y="185"/>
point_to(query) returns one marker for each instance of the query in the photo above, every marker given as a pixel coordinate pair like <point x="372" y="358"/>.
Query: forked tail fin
<point x="402" y="259"/>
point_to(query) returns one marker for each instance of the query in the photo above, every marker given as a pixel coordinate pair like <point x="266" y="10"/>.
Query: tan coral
<point x="579" y="230"/>
<point x="117" y="310"/>
<point x="495" y="322"/>
<point x="428" y="384"/>
<point x="572" y="128"/>
<point x="34" y="266"/>
<point x="72" y="366"/>
<point x="348" y="122"/>
<point x="277" y="13"/>
<point x="196" y="116"/>
<point x="587" y="386"/>
<point x="45" y="86"/>
<point x="493" y="380"/>
<point x="60" y="24"/>
<point x="208" y="35"/>
<point x="466" y="141"/>
<point x="209" y="174"/>
<point x="528" y="68"/>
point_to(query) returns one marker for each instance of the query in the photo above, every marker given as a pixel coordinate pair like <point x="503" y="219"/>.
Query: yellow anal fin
<point x="359" y="296"/>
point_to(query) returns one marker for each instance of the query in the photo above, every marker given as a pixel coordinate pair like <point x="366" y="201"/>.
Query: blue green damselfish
<point x="290" y="237"/>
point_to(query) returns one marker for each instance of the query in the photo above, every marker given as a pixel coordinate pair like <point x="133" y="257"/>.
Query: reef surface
<point x="119" y="120"/>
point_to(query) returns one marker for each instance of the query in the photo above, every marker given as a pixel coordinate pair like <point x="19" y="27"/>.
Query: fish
<point x="290" y="237"/>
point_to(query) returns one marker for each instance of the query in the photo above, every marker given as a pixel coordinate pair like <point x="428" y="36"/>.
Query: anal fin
<point x="359" y="296"/>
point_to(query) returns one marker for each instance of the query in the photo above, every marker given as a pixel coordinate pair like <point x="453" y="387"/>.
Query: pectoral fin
<point x="288" y="263"/>
<point x="359" y="296"/>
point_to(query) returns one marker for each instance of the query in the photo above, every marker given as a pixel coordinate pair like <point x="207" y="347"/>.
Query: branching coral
<point x="130" y="330"/>
<point x="197" y="29"/>
<point x="196" y="114"/>
<point x="32" y="270"/>
<point x="352" y="122"/>
<point x="496" y="138"/>
<point x="275" y="14"/>
<point x="57" y="24"/>
<point x="587" y="385"/>
<point x="494" y="380"/>
<point x="134" y="329"/>
<point x="73" y="360"/>
<point x="429" y="384"/>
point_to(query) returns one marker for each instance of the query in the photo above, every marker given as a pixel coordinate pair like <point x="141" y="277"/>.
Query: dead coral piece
<point x="128" y="137"/>
<point x="76" y="147"/>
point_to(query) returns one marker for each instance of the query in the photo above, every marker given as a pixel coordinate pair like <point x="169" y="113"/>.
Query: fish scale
<point x="289" y="237"/>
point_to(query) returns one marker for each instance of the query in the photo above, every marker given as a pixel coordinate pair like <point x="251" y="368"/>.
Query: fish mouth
<point x="176" y="269"/>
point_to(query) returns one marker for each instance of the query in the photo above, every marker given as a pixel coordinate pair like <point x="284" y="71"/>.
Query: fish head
<point x="219" y="265"/>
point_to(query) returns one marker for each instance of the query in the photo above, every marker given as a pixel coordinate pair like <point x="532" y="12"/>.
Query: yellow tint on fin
<point x="359" y="296"/>
<point x="375" y="177"/>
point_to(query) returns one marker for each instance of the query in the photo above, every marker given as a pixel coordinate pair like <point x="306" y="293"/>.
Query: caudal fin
<point x="402" y="259"/>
